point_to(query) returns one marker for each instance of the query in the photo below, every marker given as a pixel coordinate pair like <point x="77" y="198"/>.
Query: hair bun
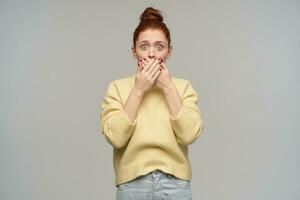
<point x="151" y="13"/>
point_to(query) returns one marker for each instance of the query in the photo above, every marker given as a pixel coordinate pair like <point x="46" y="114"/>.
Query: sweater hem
<point x="126" y="174"/>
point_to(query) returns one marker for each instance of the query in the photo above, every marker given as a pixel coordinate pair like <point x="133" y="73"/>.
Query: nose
<point x="151" y="53"/>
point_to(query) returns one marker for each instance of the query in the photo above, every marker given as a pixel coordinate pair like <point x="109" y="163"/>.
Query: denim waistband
<point x="157" y="174"/>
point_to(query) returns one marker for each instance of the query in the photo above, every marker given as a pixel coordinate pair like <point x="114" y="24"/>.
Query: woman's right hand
<point x="147" y="75"/>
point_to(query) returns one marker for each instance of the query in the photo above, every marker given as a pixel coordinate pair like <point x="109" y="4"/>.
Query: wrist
<point x="137" y="92"/>
<point x="169" y="88"/>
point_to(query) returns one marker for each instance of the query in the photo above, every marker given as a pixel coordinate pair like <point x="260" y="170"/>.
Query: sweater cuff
<point x="127" y="120"/>
<point x="123" y="122"/>
<point x="183" y="119"/>
<point x="178" y="114"/>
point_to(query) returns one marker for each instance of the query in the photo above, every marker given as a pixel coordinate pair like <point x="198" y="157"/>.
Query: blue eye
<point x="161" y="47"/>
<point x="145" y="46"/>
<point x="142" y="46"/>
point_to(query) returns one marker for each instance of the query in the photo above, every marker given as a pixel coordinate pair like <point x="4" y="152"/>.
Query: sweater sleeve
<point x="188" y="124"/>
<point x="115" y="124"/>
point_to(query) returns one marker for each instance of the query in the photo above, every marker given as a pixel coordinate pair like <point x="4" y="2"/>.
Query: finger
<point x="139" y="61"/>
<point x="160" y="67"/>
<point x="144" y="62"/>
<point x="149" y="64"/>
<point x="163" y="65"/>
<point x="139" y="68"/>
<point x="156" y="74"/>
<point x="156" y="68"/>
<point x="154" y="65"/>
<point x="141" y="64"/>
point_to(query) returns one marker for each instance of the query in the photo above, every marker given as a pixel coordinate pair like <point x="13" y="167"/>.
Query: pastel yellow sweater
<point x="155" y="140"/>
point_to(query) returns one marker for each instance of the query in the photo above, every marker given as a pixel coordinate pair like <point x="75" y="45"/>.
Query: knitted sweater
<point x="155" y="140"/>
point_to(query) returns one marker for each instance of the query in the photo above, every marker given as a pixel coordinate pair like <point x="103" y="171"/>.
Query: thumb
<point x="139" y="68"/>
<point x="164" y="66"/>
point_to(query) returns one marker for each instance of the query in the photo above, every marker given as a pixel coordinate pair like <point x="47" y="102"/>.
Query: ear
<point x="133" y="52"/>
<point x="169" y="51"/>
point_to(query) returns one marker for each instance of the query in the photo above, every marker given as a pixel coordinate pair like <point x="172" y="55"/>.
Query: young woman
<point x="150" y="118"/>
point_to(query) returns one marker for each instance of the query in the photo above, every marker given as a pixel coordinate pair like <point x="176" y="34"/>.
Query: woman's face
<point x="150" y="43"/>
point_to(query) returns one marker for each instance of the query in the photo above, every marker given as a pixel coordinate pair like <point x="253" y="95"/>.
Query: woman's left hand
<point x="163" y="81"/>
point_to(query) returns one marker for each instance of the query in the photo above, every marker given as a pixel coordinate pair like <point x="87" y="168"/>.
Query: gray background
<point x="57" y="58"/>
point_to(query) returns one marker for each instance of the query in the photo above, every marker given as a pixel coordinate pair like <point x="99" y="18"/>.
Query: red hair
<point x="151" y="19"/>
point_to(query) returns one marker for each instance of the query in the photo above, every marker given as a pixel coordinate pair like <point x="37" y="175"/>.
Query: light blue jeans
<point x="155" y="185"/>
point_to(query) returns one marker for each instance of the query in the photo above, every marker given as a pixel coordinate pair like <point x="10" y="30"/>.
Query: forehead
<point x="152" y="35"/>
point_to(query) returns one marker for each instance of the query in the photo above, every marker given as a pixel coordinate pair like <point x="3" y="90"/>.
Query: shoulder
<point x="180" y="82"/>
<point x="127" y="81"/>
<point x="184" y="87"/>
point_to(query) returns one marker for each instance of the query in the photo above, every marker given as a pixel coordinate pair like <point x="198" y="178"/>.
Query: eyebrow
<point x="148" y="41"/>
